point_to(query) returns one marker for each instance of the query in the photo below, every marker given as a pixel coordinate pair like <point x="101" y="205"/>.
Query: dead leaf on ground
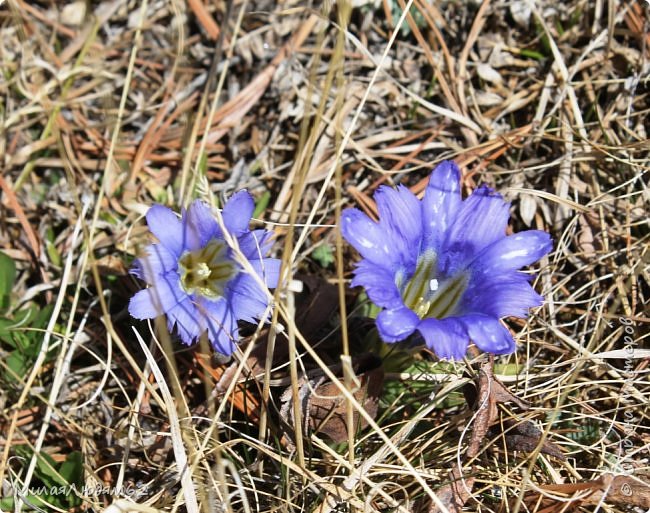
<point x="323" y="405"/>
<point x="525" y="437"/>
<point x="609" y="489"/>
<point x="454" y="495"/>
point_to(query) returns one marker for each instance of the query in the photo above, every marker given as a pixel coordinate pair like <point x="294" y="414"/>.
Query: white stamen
<point x="203" y="270"/>
<point x="433" y="285"/>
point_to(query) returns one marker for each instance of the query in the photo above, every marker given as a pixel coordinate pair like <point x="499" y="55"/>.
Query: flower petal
<point x="400" y="212"/>
<point x="143" y="305"/>
<point x="223" y="332"/>
<point x="500" y="296"/>
<point x="513" y="252"/>
<point x="481" y="220"/>
<point x="269" y="270"/>
<point x="379" y="284"/>
<point x="157" y="260"/>
<point x="237" y="212"/>
<point x="199" y="226"/>
<point x="395" y="325"/>
<point x="369" y="239"/>
<point x="165" y="291"/>
<point x="166" y="226"/>
<point x="185" y="316"/>
<point x="488" y="334"/>
<point x="440" y="203"/>
<point x="255" y="244"/>
<point x="247" y="299"/>
<point x="447" y="337"/>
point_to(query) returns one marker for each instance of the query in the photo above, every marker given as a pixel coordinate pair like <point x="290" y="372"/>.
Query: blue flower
<point x="194" y="277"/>
<point x="443" y="266"/>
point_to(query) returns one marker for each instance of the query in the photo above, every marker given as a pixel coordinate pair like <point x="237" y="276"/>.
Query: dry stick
<point x="444" y="86"/>
<point x="40" y="359"/>
<point x="152" y="137"/>
<point x="187" y="161"/>
<point x="57" y="109"/>
<point x="479" y="21"/>
<point x="34" y="34"/>
<point x="134" y="412"/>
<point x="134" y="408"/>
<point x="430" y="13"/>
<point x="564" y="73"/>
<point x="205" y="18"/>
<point x="361" y="473"/>
<point x="20" y="214"/>
<point x="564" y="175"/>
<point x="295" y="391"/>
<point x="490" y="393"/>
<point x="339" y="61"/>
<point x="369" y="420"/>
<point x="307" y="142"/>
<point x="442" y="111"/>
<point x="176" y="432"/>
<point x="215" y="100"/>
<point x="60" y="376"/>
<point x="188" y="491"/>
<point x="346" y="137"/>
<point x="367" y="203"/>
<point x="296" y="179"/>
<point x="314" y="482"/>
<point x="207" y="436"/>
<point x="157" y="129"/>
<point x="560" y="401"/>
<point x="302" y="169"/>
<point x="303" y="236"/>
<point x="247" y="268"/>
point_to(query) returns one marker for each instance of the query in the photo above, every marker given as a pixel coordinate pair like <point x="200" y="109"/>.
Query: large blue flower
<point x="443" y="266"/>
<point x="194" y="277"/>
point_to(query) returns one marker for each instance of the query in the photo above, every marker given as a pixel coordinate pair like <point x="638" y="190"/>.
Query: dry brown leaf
<point x="609" y="489"/>
<point x="324" y="407"/>
<point x="454" y="495"/>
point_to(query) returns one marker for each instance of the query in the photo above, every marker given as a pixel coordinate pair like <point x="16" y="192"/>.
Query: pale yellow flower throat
<point x="208" y="270"/>
<point x="427" y="295"/>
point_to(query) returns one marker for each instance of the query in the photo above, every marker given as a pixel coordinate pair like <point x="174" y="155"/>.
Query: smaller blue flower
<point x="194" y="278"/>
<point x="444" y="266"/>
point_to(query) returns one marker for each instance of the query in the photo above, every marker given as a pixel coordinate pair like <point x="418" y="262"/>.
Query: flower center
<point x="431" y="296"/>
<point x="208" y="270"/>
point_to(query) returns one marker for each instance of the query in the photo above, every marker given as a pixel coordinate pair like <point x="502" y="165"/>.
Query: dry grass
<point x="112" y="106"/>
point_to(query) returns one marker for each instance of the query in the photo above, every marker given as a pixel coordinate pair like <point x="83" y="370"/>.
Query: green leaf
<point x="16" y="362"/>
<point x="366" y="308"/>
<point x="72" y="468"/>
<point x="418" y="18"/>
<point x="23" y="341"/>
<point x="508" y="369"/>
<point x="24" y="316"/>
<point x="7" y="504"/>
<point x="7" y="279"/>
<point x="324" y="255"/>
<point x="10" y="329"/>
<point x="262" y="203"/>
<point x="5" y="331"/>
<point x="532" y="54"/>
<point x="46" y="470"/>
<point x="42" y="318"/>
<point x="40" y="500"/>
<point x="203" y="163"/>
<point x="53" y="253"/>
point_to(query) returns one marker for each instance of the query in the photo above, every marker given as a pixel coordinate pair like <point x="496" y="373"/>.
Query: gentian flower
<point x="194" y="277"/>
<point x="443" y="266"/>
